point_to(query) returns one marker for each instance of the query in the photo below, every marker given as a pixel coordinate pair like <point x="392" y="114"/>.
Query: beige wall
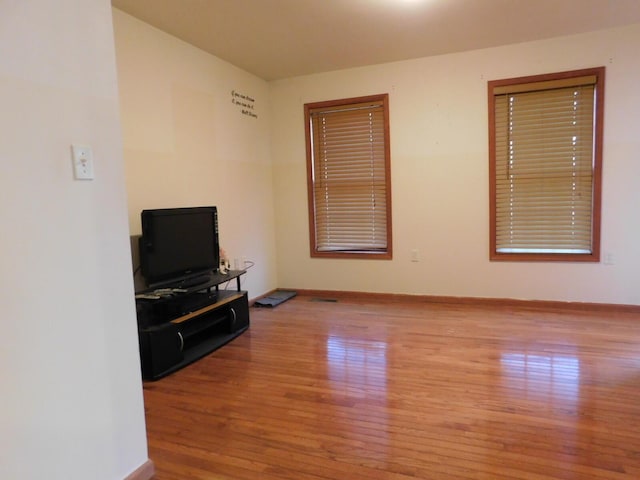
<point x="438" y="110"/>
<point x="187" y="144"/>
<point x="71" y="402"/>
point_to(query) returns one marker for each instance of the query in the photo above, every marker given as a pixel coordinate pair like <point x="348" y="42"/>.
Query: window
<point x="348" y="177"/>
<point x="545" y="163"/>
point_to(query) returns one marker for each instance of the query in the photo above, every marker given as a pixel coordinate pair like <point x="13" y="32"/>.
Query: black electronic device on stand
<point x="183" y="315"/>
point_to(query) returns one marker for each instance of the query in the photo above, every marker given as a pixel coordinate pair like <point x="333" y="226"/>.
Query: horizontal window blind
<point x="544" y="165"/>
<point x="349" y="177"/>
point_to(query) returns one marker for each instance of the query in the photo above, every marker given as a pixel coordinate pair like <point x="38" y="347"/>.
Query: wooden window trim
<point x="594" y="256"/>
<point x="387" y="254"/>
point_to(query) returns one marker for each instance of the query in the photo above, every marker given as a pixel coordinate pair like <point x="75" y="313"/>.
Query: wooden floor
<point x="355" y="389"/>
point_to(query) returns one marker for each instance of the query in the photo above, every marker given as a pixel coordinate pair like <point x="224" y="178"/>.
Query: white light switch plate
<point x="82" y="157"/>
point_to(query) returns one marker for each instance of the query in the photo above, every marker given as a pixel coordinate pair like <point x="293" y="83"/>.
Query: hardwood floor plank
<point x="406" y="390"/>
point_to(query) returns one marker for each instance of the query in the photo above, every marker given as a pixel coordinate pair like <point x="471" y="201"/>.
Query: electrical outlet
<point x="415" y="255"/>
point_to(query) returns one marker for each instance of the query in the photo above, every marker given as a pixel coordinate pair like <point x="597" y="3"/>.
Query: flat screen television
<point x="179" y="245"/>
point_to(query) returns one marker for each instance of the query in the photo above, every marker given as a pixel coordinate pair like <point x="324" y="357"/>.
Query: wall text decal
<point x="245" y="103"/>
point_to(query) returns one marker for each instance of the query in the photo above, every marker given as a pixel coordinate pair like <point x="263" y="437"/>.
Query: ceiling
<point x="277" y="39"/>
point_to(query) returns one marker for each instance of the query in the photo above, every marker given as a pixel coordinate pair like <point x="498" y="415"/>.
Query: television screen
<point x="178" y="243"/>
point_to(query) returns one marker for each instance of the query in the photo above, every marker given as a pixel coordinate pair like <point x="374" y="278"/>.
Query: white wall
<point x="438" y="109"/>
<point x="187" y="144"/>
<point x="71" y="405"/>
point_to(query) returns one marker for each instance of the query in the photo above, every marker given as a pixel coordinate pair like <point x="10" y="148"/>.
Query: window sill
<point x="545" y="257"/>
<point x="354" y="255"/>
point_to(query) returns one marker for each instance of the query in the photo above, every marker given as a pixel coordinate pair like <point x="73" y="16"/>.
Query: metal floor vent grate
<point x="328" y="300"/>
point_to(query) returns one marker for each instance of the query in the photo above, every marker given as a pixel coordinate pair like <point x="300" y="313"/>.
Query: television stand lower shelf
<point x="167" y="346"/>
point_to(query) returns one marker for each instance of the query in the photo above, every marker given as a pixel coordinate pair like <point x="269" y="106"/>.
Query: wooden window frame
<point x="376" y="254"/>
<point x="598" y="117"/>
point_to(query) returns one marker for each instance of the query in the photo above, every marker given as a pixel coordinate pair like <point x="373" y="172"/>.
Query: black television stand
<point x="175" y="330"/>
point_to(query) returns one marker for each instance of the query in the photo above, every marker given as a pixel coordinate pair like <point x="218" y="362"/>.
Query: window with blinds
<point x="545" y="138"/>
<point x="349" y="184"/>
